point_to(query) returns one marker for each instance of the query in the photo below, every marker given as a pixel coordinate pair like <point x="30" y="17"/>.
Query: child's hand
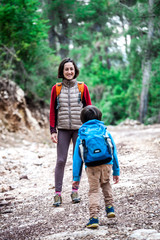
<point x="116" y="179"/>
<point x="75" y="184"/>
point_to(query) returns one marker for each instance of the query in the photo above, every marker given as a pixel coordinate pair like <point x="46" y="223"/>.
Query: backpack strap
<point x="80" y="87"/>
<point x="109" y="142"/>
<point x="58" y="90"/>
<point x="81" y="90"/>
<point x="83" y="149"/>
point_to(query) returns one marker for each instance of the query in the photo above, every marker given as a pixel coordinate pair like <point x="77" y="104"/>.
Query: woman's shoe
<point x="57" y="200"/>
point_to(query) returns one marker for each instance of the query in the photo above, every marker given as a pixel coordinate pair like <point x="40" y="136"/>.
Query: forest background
<point x="114" y="43"/>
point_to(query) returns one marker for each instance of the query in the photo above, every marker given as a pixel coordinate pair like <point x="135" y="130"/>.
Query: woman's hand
<point x="54" y="137"/>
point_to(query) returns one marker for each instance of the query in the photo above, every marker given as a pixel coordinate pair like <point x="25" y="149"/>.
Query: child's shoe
<point x="75" y="197"/>
<point x="57" y="200"/>
<point x="110" y="211"/>
<point x="93" y="222"/>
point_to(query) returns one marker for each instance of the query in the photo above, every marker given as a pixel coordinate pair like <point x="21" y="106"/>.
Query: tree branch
<point x="13" y="54"/>
<point x="125" y="6"/>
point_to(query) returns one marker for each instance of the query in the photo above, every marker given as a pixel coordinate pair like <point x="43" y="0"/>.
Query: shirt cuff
<point x="76" y="179"/>
<point x="53" y="130"/>
<point x="116" y="173"/>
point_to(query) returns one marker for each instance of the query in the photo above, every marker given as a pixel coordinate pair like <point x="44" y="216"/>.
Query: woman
<point x="67" y="100"/>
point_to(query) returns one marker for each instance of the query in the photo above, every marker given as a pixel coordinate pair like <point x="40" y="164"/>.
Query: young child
<point x="99" y="171"/>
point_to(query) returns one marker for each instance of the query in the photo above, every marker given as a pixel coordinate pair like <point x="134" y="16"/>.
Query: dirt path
<point x="27" y="188"/>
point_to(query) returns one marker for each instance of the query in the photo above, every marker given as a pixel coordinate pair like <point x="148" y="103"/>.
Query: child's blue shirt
<point x="77" y="161"/>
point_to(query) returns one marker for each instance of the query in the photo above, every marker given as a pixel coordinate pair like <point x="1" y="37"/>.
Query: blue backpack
<point x="95" y="145"/>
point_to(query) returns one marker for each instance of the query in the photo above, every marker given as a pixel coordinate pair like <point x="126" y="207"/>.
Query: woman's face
<point x="68" y="71"/>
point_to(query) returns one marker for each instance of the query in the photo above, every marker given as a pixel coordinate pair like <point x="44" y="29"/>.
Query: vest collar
<point x="69" y="83"/>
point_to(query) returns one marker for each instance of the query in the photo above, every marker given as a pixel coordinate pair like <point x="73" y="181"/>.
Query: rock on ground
<point x="27" y="165"/>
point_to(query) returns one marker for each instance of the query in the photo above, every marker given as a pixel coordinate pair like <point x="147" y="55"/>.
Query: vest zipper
<point x="69" y="105"/>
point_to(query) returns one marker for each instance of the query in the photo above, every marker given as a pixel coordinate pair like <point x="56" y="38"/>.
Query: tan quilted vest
<point x="70" y="108"/>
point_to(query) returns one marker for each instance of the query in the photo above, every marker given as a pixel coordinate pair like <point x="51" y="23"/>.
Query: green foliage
<point x="154" y="93"/>
<point x="21" y="25"/>
<point x="26" y="56"/>
<point x="43" y="73"/>
<point x="108" y="90"/>
<point x="107" y="39"/>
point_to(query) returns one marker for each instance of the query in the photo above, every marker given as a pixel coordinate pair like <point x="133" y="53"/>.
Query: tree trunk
<point x="58" y="35"/>
<point x="124" y="33"/>
<point x="52" y="38"/>
<point x="147" y="65"/>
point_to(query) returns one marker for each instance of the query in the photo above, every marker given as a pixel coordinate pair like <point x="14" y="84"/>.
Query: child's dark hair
<point x="90" y="112"/>
<point x="61" y="67"/>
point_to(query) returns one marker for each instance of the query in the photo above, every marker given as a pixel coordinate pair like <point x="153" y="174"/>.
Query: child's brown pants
<point x="99" y="176"/>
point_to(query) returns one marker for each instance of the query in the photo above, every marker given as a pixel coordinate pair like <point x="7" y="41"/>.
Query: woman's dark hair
<point x="61" y="67"/>
<point x="90" y="112"/>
